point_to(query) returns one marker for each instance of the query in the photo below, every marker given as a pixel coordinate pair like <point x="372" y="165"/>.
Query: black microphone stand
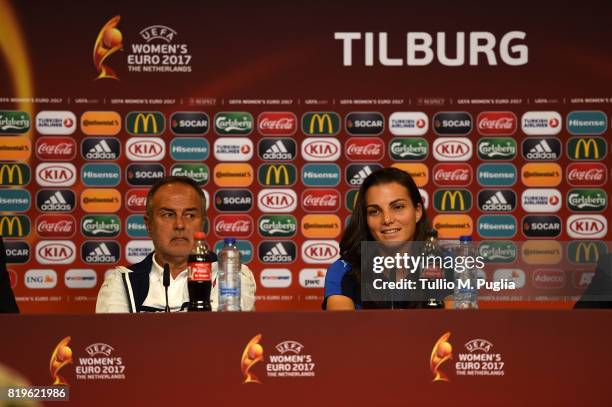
<point x="166" y="284"/>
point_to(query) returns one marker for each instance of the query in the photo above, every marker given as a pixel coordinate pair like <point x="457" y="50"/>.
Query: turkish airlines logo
<point x="459" y="175"/>
<point x="541" y="200"/>
<point x="496" y="123"/>
<point x="587" y="174"/>
<point x="364" y="149"/>
<point x="587" y="226"/>
<point x="320" y="251"/>
<point x="136" y="200"/>
<point x="452" y="149"/>
<point x="145" y="149"/>
<point x="277" y="123"/>
<point x="55" y="226"/>
<point x="56" y="174"/>
<point x="277" y="200"/>
<point x="40" y="278"/>
<point x="548" y="279"/>
<point x="408" y="123"/>
<point x="321" y="149"/>
<point x="452" y="123"/>
<point x="234" y="226"/>
<point x="233" y="149"/>
<point x="321" y="200"/>
<point x="55" y="252"/>
<point x="55" y="148"/>
<point x="55" y="122"/>
<point x="541" y="123"/>
<point x="358" y="123"/>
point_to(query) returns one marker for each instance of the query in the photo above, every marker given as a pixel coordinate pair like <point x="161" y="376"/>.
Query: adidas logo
<point x="277" y="254"/>
<point x="101" y="254"/>
<point x="56" y="203"/>
<point x="358" y="178"/>
<point x="497" y="202"/>
<point x="101" y="151"/>
<point x="277" y="151"/>
<point x="542" y="151"/>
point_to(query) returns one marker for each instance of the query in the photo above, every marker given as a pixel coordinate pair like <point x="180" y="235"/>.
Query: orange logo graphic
<point x="15" y="148"/>
<point x="109" y="41"/>
<point x="321" y="226"/>
<point x="536" y="252"/>
<point x="418" y="172"/>
<point x="61" y="356"/>
<point x="100" y="123"/>
<point x="233" y="175"/>
<point x="252" y="354"/>
<point x="441" y="352"/>
<point x="100" y="200"/>
<point x="541" y="175"/>
<point x="453" y="226"/>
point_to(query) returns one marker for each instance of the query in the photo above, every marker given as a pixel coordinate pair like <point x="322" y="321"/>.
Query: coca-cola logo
<point x="55" y="226"/>
<point x="55" y="148"/>
<point x="497" y="123"/>
<point x="587" y="174"/>
<point x="452" y="174"/>
<point x="233" y="226"/>
<point x="136" y="200"/>
<point x="364" y="149"/>
<point x="321" y="200"/>
<point x="277" y="123"/>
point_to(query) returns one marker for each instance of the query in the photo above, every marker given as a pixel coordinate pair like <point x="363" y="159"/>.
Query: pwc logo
<point x="364" y="149"/>
<point x="321" y="123"/>
<point x="357" y="173"/>
<point x="100" y="200"/>
<point x="452" y="123"/>
<point x="14" y="226"/>
<point x="496" y="123"/>
<point x="541" y="175"/>
<point x="453" y="175"/>
<point x="233" y="175"/>
<point x="40" y="279"/>
<point x="452" y="200"/>
<point x="14" y="174"/>
<point x="408" y="123"/>
<point x="453" y="226"/>
<point x="312" y="278"/>
<point x="233" y="149"/>
<point x="55" y="148"/>
<point x="228" y="123"/>
<point x="136" y="200"/>
<point x="56" y="226"/>
<point x="100" y="252"/>
<point x="321" y="149"/>
<point x="15" y="200"/>
<point x="55" y="200"/>
<point x="15" y="148"/>
<point x="277" y="149"/>
<point x="144" y="174"/>
<point x="515" y="275"/>
<point x="541" y="123"/>
<point x="277" y="200"/>
<point x="587" y="200"/>
<point x="56" y="174"/>
<point x="276" y="175"/>
<point x="233" y="200"/>
<point x="364" y="123"/>
<point x="586" y="123"/>
<point x="587" y="148"/>
<point x="189" y="149"/>
<point x="55" y="123"/>
<point x="321" y="175"/>
<point x="100" y="123"/>
<point x="541" y="226"/>
<point x="541" y="149"/>
<point x="239" y="226"/>
<point x="587" y="174"/>
<point x="55" y="252"/>
<point x="145" y="123"/>
<point x="548" y="279"/>
<point x="497" y="200"/>
<point x="585" y="251"/>
<point x="320" y="251"/>
<point x="196" y="171"/>
<point x="277" y="123"/>
<point x="453" y="149"/>
<point x="537" y="252"/>
<point x="321" y="200"/>
<point x="277" y="251"/>
<point x="189" y="123"/>
<point x="100" y="149"/>
<point x="587" y="226"/>
<point x="541" y="200"/>
<point x="277" y="226"/>
<point x="14" y="122"/>
<point x="145" y="149"/>
<point x="321" y="226"/>
<point x="418" y="172"/>
<point x="100" y="175"/>
<point x="408" y="149"/>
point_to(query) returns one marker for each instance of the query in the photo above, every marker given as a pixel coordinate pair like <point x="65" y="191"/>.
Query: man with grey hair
<point x="175" y="211"/>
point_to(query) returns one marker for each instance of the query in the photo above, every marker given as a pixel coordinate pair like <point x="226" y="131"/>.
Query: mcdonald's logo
<point x="586" y="148"/>
<point x="145" y="123"/>
<point x="14" y="226"/>
<point x="321" y="123"/>
<point x="277" y="175"/>
<point x="585" y="251"/>
<point x="447" y="200"/>
<point x="14" y="174"/>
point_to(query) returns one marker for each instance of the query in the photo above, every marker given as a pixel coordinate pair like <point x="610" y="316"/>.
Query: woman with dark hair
<point x="389" y="208"/>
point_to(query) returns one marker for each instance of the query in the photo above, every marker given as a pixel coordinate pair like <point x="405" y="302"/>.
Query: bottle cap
<point x="465" y="238"/>
<point x="230" y="240"/>
<point x="199" y="235"/>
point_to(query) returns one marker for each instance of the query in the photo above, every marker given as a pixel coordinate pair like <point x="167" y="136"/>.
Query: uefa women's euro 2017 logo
<point x="109" y="41"/>
<point x="60" y="357"/>
<point x="253" y="353"/>
<point x="441" y="352"/>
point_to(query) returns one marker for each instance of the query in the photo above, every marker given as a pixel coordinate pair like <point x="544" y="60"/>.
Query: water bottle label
<point x="232" y="292"/>
<point x="200" y="271"/>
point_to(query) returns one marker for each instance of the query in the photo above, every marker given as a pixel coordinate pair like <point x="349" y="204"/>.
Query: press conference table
<point x="313" y="358"/>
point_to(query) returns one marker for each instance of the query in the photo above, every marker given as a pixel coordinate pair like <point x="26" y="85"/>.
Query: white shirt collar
<point x="157" y="271"/>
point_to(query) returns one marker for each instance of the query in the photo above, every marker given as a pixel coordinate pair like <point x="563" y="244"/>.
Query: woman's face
<point x="390" y="213"/>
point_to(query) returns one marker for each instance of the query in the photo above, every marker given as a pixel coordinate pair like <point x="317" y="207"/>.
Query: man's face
<point x="176" y="216"/>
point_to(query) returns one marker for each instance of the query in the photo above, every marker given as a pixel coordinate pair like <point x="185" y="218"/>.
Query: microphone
<point x="166" y="284"/>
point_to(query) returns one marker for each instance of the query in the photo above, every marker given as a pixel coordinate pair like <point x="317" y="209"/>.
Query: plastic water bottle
<point x="465" y="297"/>
<point x="229" y="276"/>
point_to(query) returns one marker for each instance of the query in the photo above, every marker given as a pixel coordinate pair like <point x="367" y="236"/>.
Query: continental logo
<point x="585" y="251"/>
<point x="14" y="122"/>
<point x="14" y="174"/>
<point x="321" y="123"/>
<point x="587" y="122"/>
<point x="100" y="200"/>
<point x="14" y="226"/>
<point x="587" y="148"/>
<point x="15" y="148"/>
<point x="233" y="175"/>
<point x="536" y="252"/>
<point x="418" y="172"/>
<point x="276" y="175"/>
<point x="541" y="175"/>
<point x="100" y="123"/>
<point x="453" y="226"/>
<point x="145" y="123"/>
<point x="321" y="226"/>
<point x="452" y="200"/>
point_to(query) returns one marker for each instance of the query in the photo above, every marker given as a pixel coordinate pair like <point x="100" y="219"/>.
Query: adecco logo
<point x="585" y="251"/>
<point x="277" y="225"/>
<point x="80" y="278"/>
<point x="537" y="252"/>
<point x="275" y="278"/>
<point x="587" y="148"/>
<point x="55" y="200"/>
<point x="452" y="123"/>
<point x="586" y="123"/>
<point x="277" y="123"/>
<point x="189" y="149"/>
<point x="14" y="122"/>
<point x="321" y="226"/>
<point x="541" y="226"/>
<point x="497" y="148"/>
<point x="320" y="251"/>
<point x="277" y="149"/>
<point x="408" y="123"/>
<point x="497" y="251"/>
<point x="321" y="149"/>
<point x="56" y="174"/>
<point x="515" y="275"/>
<point x="233" y="175"/>
<point x="14" y="226"/>
<point x="100" y="123"/>
<point x="16" y="252"/>
<point x="587" y="226"/>
<point x="452" y="149"/>
<point x="277" y="251"/>
<point x="312" y="278"/>
<point x="587" y="200"/>
<point x="321" y="123"/>
<point x="100" y="175"/>
<point x="321" y="200"/>
<point x="137" y="250"/>
<point x="418" y="172"/>
<point x="496" y="123"/>
<point x="14" y="174"/>
<point x="541" y="200"/>
<point x="453" y="226"/>
<point x="189" y="123"/>
<point x="541" y="175"/>
<point x="541" y="123"/>
<point x="357" y="173"/>
<point x="15" y="148"/>
<point x="55" y="252"/>
<point x="364" y="123"/>
<point x="100" y="226"/>
<point x="277" y="200"/>
<point x="497" y="200"/>
<point x="541" y="149"/>
<point x="408" y="149"/>
<point x="100" y="200"/>
<point x="145" y="149"/>
<point x="40" y="278"/>
<point x="233" y="123"/>
<point x="274" y="175"/>
<point x="135" y="227"/>
<point x="238" y="226"/>
<point x="100" y="149"/>
<point x="55" y="148"/>
<point x="55" y="123"/>
<point x="452" y="200"/>
<point x="496" y="226"/>
<point x="233" y="149"/>
<point x="496" y="175"/>
<point x="233" y="200"/>
<point x="548" y="279"/>
<point x="321" y="175"/>
<point x="364" y="149"/>
<point x="100" y="252"/>
<point x="145" y="123"/>
<point x="136" y="200"/>
<point x="55" y="226"/>
<point x="452" y="175"/>
<point x="15" y="200"/>
<point x="144" y="174"/>
<point x="587" y="174"/>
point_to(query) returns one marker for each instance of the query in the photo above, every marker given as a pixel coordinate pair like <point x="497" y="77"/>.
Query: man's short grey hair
<point x="171" y="179"/>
